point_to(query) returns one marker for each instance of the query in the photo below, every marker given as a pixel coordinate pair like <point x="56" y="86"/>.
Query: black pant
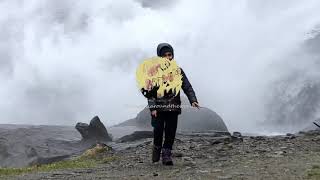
<point x="166" y="121"/>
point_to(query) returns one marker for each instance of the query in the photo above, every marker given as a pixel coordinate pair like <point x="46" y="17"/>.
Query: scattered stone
<point x="260" y="150"/>
<point x="290" y="136"/>
<point x="277" y="154"/>
<point x="228" y="146"/>
<point x="192" y="146"/>
<point x="198" y="147"/>
<point x="187" y="159"/>
<point x="177" y="154"/>
<point x="216" y="170"/>
<point x="137" y="135"/>
<point x="224" y="177"/>
<point x="203" y="171"/>
<point x="283" y="148"/>
<point x="260" y="138"/>
<point x="317" y="138"/>
<point x="218" y="141"/>
<point x="222" y="159"/>
<point x="237" y="134"/>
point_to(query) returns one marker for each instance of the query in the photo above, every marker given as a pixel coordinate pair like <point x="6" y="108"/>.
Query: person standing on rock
<point x="165" y="115"/>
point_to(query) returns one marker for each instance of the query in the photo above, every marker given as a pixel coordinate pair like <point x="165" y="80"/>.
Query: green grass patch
<point x="65" y="164"/>
<point x="314" y="172"/>
<point x="89" y="159"/>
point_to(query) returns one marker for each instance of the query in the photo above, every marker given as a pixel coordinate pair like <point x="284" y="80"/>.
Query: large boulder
<point x="203" y="119"/>
<point x="190" y="120"/>
<point x="95" y="131"/>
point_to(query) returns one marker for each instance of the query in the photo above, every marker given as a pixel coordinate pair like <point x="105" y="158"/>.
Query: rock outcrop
<point x="191" y="119"/>
<point x="23" y="145"/>
<point x="95" y="131"/>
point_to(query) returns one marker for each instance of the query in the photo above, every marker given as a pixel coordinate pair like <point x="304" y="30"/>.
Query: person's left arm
<point x="188" y="90"/>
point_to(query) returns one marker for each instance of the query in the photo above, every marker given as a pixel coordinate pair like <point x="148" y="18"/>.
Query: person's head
<point x="165" y="50"/>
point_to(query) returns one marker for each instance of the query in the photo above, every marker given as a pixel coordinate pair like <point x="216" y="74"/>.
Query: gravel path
<point x="208" y="157"/>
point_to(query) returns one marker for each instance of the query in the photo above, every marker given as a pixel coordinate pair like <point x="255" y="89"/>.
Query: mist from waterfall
<point x="65" y="61"/>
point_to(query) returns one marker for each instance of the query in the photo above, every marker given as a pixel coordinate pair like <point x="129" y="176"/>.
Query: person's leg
<point x="171" y="122"/>
<point x="158" y="129"/>
<point x="158" y="126"/>
<point x="170" y="128"/>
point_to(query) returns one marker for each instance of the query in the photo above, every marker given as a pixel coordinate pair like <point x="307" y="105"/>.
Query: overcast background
<point x="64" y="61"/>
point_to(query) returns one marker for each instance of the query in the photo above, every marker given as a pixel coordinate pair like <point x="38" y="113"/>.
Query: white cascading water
<point x="66" y="61"/>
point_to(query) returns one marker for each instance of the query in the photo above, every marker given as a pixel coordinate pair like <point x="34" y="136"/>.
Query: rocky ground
<point x="206" y="156"/>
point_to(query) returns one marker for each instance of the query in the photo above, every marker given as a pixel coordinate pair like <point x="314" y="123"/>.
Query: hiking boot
<point x="166" y="157"/>
<point x="156" y="151"/>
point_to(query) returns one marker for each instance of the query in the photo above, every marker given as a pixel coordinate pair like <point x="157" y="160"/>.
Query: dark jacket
<point x="172" y="103"/>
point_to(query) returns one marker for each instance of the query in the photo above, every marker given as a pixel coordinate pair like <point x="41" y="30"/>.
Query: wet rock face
<point x="294" y="104"/>
<point x="3" y="149"/>
<point x="294" y="97"/>
<point x="94" y="131"/>
<point x="23" y="145"/>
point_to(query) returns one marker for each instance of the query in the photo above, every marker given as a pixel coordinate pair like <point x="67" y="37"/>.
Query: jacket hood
<point x="162" y="45"/>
